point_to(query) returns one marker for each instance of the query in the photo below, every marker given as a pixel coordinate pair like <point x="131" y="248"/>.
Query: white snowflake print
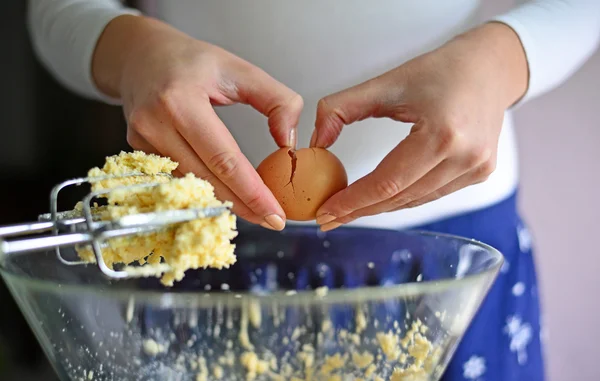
<point x="520" y="336"/>
<point x="474" y="368"/>
<point x="524" y="238"/>
<point x="518" y="289"/>
<point x="513" y="323"/>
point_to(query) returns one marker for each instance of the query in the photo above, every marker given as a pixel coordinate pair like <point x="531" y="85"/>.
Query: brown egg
<point x="302" y="180"/>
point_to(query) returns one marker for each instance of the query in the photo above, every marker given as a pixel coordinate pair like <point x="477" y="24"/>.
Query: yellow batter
<point x="196" y="244"/>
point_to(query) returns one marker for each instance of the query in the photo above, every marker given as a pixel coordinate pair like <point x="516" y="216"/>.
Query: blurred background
<point x="48" y="134"/>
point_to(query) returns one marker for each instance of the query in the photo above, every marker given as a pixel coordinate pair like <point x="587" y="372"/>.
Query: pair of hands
<point x="455" y="96"/>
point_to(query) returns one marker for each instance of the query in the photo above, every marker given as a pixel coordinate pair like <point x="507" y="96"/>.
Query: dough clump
<point x="200" y="243"/>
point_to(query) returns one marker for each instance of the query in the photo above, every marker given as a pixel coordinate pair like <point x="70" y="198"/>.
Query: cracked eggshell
<point x="302" y="180"/>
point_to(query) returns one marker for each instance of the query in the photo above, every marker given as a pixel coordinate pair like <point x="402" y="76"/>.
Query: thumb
<point x="373" y="98"/>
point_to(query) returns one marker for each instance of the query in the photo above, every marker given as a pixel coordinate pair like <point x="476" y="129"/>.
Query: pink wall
<point x="559" y="139"/>
<point x="560" y="159"/>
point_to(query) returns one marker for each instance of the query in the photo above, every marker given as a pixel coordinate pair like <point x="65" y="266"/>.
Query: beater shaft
<point x="99" y="230"/>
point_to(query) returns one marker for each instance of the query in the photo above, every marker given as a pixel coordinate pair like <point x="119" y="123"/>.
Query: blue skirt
<point x="504" y="341"/>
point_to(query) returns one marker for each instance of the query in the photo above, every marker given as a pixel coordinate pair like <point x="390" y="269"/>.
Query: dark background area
<point x="47" y="135"/>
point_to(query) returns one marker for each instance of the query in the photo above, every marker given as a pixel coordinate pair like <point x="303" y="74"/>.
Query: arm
<point x="168" y="84"/>
<point x="456" y="97"/>
<point x="558" y="36"/>
<point x="64" y="34"/>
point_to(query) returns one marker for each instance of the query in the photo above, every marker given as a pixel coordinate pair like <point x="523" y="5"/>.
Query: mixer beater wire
<point x="84" y="227"/>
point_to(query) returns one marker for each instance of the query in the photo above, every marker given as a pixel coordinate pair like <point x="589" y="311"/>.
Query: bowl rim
<point x="201" y="298"/>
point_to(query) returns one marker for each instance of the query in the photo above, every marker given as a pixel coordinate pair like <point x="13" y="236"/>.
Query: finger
<point x="190" y="163"/>
<point x="469" y="178"/>
<point x="138" y="142"/>
<point x="475" y="176"/>
<point x="211" y="140"/>
<point x="374" y="98"/>
<point x="171" y="144"/>
<point x="281" y="105"/>
<point x="443" y="174"/>
<point x="415" y="156"/>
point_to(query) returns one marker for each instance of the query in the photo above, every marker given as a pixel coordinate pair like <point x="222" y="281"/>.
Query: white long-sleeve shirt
<point x="317" y="47"/>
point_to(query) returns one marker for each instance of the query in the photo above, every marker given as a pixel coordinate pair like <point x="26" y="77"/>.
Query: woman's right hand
<point x="169" y="82"/>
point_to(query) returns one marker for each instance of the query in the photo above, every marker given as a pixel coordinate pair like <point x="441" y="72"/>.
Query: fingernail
<point x="330" y="226"/>
<point x="292" y="138"/>
<point x="266" y="225"/>
<point x="275" y="222"/>
<point x="313" y="138"/>
<point x="325" y="218"/>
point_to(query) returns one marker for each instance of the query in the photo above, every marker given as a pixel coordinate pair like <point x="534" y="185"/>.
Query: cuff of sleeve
<point x="97" y="22"/>
<point x="534" y="87"/>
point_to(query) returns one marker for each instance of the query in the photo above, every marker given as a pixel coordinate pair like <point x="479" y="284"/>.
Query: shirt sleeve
<point x="64" y="34"/>
<point x="558" y="36"/>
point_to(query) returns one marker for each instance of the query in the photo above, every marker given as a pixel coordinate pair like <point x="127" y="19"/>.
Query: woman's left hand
<point x="455" y="96"/>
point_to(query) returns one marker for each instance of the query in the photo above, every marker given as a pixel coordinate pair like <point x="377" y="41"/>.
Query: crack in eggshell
<point x="294" y="161"/>
<point x="301" y="180"/>
<point x="314" y="151"/>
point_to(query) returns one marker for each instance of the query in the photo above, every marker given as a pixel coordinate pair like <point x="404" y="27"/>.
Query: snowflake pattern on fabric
<point x="518" y="289"/>
<point x="503" y="342"/>
<point x="474" y="368"/>
<point x="520" y="336"/>
<point x="524" y="237"/>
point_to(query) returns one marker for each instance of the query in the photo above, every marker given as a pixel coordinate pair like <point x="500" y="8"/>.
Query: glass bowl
<point x="351" y="304"/>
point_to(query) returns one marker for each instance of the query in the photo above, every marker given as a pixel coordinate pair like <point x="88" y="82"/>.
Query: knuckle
<point x="207" y="176"/>
<point x="254" y="200"/>
<point x="325" y="107"/>
<point x="447" y="139"/>
<point x="414" y="204"/>
<point x="136" y="118"/>
<point x="477" y="155"/>
<point x="403" y="198"/>
<point x="488" y="167"/>
<point x="132" y="139"/>
<point x="485" y="170"/>
<point x="167" y="95"/>
<point x="453" y="118"/>
<point x="296" y="102"/>
<point x="224" y="165"/>
<point x="286" y="108"/>
<point x="138" y="122"/>
<point x="387" y="188"/>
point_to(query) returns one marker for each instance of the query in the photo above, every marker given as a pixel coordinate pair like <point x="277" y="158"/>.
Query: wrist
<point x="121" y="39"/>
<point x="499" y="49"/>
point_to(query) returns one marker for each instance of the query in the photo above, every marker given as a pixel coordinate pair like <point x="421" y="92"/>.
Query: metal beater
<point x="71" y="228"/>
